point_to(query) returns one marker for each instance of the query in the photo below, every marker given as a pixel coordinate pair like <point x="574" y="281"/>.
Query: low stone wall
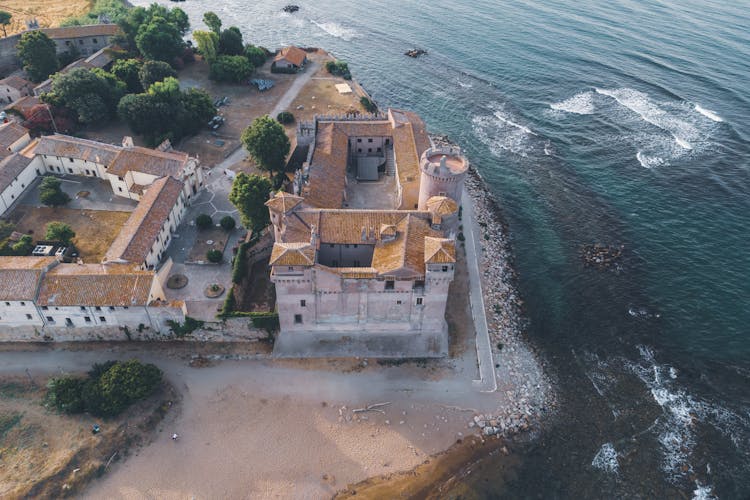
<point x="231" y="330"/>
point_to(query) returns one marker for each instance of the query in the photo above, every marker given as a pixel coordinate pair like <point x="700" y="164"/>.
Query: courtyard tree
<point x="208" y="44"/>
<point x="59" y="231"/>
<point x="267" y="143"/>
<point x="128" y="70"/>
<point x="23" y="246"/>
<point x="5" y="18"/>
<point x="204" y="221"/>
<point x="230" y="42"/>
<point x="227" y="222"/>
<point x="92" y="93"/>
<point x="51" y="194"/>
<point x="155" y="71"/>
<point x="214" y="256"/>
<point x="249" y="194"/>
<point x="230" y="69"/>
<point x="160" y="40"/>
<point x="38" y="53"/>
<point x="212" y="21"/>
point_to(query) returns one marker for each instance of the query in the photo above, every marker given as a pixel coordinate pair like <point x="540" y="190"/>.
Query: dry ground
<point x="219" y="238"/>
<point x="41" y="451"/>
<point x="95" y="229"/>
<point x="49" y="13"/>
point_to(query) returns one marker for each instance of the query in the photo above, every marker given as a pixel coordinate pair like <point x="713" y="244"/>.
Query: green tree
<point x="214" y="256"/>
<point x="227" y="222"/>
<point x="23" y="246"/>
<point x="59" y="231"/>
<point x="256" y="55"/>
<point x="38" y="53"/>
<point x="128" y="70"/>
<point x="51" y="194"/>
<point x="160" y="40"/>
<point x="208" y="44"/>
<point x="285" y="117"/>
<point x="125" y="383"/>
<point x="267" y="143"/>
<point x="166" y="90"/>
<point x="204" y="221"/>
<point x="212" y="21"/>
<point x="197" y="109"/>
<point x="230" y="69"/>
<point x="249" y="194"/>
<point x="64" y="394"/>
<point x="92" y="93"/>
<point x="154" y="71"/>
<point x="367" y="103"/>
<point x="5" y="18"/>
<point x="230" y="42"/>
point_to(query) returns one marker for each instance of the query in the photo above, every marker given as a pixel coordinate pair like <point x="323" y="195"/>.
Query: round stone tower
<point x="443" y="171"/>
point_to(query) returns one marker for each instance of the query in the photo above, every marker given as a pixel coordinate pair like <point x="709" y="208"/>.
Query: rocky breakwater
<point x="525" y="389"/>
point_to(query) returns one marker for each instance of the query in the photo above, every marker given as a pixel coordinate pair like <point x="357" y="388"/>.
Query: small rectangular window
<point x="83" y="308"/>
<point x="7" y="303"/>
<point x="95" y="40"/>
<point x="398" y="302"/>
<point x="87" y="319"/>
<point x="97" y="308"/>
<point x="102" y="319"/>
<point x="359" y="140"/>
<point x="70" y="160"/>
<point x="70" y="170"/>
<point x="298" y="319"/>
<point x="28" y="316"/>
<point x="124" y="307"/>
<point x="49" y="319"/>
<point x="111" y="308"/>
<point x="44" y="308"/>
<point x="445" y="269"/>
<point x="302" y="303"/>
<point x="369" y="140"/>
<point x="23" y="303"/>
<point x="419" y="301"/>
<point x="389" y="285"/>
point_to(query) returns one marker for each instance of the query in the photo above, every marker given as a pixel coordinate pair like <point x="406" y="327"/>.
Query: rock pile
<point x="291" y="8"/>
<point x="601" y="256"/>
<point x="415" y="52"/>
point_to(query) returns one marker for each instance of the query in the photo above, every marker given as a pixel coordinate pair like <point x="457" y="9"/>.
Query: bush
<point x="59" y="231"/>
<point x="204" y="221"/>
<point x="228" y="222"/>
<point x="339" y="68"/>
<point x="256" y="55"/>
<point x="108" y="389"/>
<point x="230" y="69"/>
<point x="239" y="267"/>
<point x="214" y="256"/>
<point x="368" y="105"/>
<point x="285" y="117"/>
<point x="190" y="325"/>
<point x="51" y="194"/>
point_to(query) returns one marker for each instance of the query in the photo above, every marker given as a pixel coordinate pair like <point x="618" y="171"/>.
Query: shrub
<point x="214" y="256"/>
<point x="367" y="104"/>
<point x="182" y="329"/>
<point x="51" y="194"/>
<point x="239" y="267"/>
<point x="230" y="69"/>
<point x="228" y="222"/>
<point x="256" y="55"/>
<point x="64" y="393"/>
<point x="203" y="221"/>
<point x="59" y="231"/>
<point x="339" y="68"/>
<point x="285" y="117"/>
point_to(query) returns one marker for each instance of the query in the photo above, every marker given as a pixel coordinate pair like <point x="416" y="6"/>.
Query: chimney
<point x="442" y="162"/>
<point x="313" y="236"/>
<point x="364" y="233"/>
<point x="127" y="142"/>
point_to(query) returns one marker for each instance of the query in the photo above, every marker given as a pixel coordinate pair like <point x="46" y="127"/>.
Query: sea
<point x="620" y="122"/>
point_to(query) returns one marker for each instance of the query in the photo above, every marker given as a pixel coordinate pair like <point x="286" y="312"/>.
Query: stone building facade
<point x="363" y="281"/>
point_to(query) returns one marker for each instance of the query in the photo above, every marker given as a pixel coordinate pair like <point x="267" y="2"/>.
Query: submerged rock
<point x="291" y="8"/>
<point x="415" y="52"/>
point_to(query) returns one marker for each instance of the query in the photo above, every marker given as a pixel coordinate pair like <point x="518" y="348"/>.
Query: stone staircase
<point x="390" y="161"/>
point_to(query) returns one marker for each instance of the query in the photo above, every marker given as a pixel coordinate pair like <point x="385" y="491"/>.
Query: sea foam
<point x="336" y="30"/>
<point x="580" y="104"/>
<point x="708" y="113"/>
<point x="500" y="132"/>
<point x="606" y="459"/>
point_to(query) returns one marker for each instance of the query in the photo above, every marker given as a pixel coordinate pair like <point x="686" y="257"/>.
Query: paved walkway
<point x="487" y="381"/>
<point x="282" y="105"/>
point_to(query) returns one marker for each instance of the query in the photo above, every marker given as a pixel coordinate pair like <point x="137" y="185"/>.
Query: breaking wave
<point x="648" y="161"/>
<point x="336" y="30"/>
<point x="606" y="459"/>
<point x="580" y="104"/>
<point x="501" y="133"/>
<point x="708" y="113"/>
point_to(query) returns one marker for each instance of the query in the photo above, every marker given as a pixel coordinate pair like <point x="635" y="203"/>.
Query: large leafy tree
<point x="128" y="70"/>
<point x="140" y="16"/>
<point x="208" y="44"/>
<point x="92" y="93"/>
<point x="267" y="143"/>
<point x="249" y="194"/>
<point x="38" y="53"/>
<point x="256" y="55"/>
<point x="230" y="69"/>
<point x="51" y="194"/>
<point x="212" y="21"/>
<point x="155" y="71"/>
<point x="59" y="231"/>
<point x="198" y="109"/>
<point x="5" y="18"/>
<point x="160" y="40"/>
<point x="230" y="42"/>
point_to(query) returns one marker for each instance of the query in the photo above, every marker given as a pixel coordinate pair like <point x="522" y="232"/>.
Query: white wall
<point x="10" y="194"/>
<point x="19" y="313"/>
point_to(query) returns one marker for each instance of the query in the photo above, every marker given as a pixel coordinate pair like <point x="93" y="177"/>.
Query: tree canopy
<point x="160" y="40"/>
<point x="230" y="42"/>
<point x="92" y="93"/>
<point x="154" y="71"/>
<point x="166" y="112"/>
<point x="230" y="69"/>
<point x="208" y="44"/>
<point x="212" y="21"/>
<point x="256" y="55"/>
<point x="249" y="194"/>
<point x="5" y="18"/>
<point x="50" y="192"/>
<point x="128" y="70"/>
<point x="38" y="53"/>
<point x="59" y="231"/>
<point x="138" y="17"/>
<point x="267" y="143"/>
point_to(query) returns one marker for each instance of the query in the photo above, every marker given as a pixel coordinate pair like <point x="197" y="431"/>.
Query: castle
<point x="365" y="245"/>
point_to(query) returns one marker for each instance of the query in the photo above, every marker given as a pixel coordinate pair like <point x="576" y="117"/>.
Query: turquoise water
<point x="616" y="122"/>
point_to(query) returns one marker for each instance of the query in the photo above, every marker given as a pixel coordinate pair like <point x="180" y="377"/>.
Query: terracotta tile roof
<point x="19" y="276"/>
<point x="18" y="83"/>
<point x="148" y="161"/>
<point x="439" y="250"/>
<point x="442" y="205"/>
<point x="404" y="256"/>
<point x="73" y="147"/>
<point x="293" y="54"/>
<point x="100" y="58"/>
<point x="10" y="133"/>
<point x="283" y="202"/>
<point x="10" y="168"/>
<point x="346" y="226"/>
<point x="139" y="232"/>
<point x="327" y="174"/>
<point x="410" y="140"/>
<point x="292" y="254"/>
<point x="24" y="104"/>
<point x="355" y="272"/>
<point x="95" y="285"/>
<point x="82" y="31"/>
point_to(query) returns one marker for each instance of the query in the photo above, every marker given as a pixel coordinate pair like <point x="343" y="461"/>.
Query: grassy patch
<point x="7" y="422"/>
